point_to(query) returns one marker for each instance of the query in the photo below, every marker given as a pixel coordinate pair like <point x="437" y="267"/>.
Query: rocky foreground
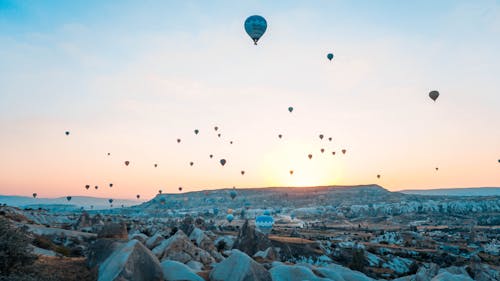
<point x="312" y="239"/>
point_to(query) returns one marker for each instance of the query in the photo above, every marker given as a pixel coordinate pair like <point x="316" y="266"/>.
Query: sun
<point x="289" y="165"/>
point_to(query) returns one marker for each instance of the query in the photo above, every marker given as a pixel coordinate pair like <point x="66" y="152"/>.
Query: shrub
<point x="15" y="251"/>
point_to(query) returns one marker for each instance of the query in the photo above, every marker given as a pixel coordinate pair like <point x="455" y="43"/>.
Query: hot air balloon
<point x="111" y="206"/>
<point x="178" y="140"/>
<point x="229" y="211"/>
<point x="233" y="194"/>
<point x="230" y="218"/>
<point x="109" y="154"/>
<point x="110" y="185"/>
<point x="434" y="95"/>
<point x="156" y="165"/>
<point x="292" y="216"/>
<point x="280" y="136"/>
<point x="321" y="136"/>
<point x="218" y="135"/>
<point x="180" y="188"/>
<point x="255" y="26"/>
<point x="216" y="128"/>
<point x="138" y="196"/>
<point x="126" y="163"/>
<point x="344" y="151"/>
<point x="159" y="191"/>
<point x="322" y="150"/>
<point x="96" y="187"/>
<point x="67" y="133"/>
<point x="191" y="163"/>
<point x="378" y="176"/>
<point x="242" y="172"/>
<point x="333" y="152"/>
<point x="196" y="131"/>
<point x="223" y="162"/>
<point x="211" y="156"/>
<point x="290" y="109"/>
<point x="310" y="156"/>
<point x="291" y="172"/>
<point x="330" y="139"/>
<point x="437" y="168"/>
<point x="87" y="186"/>
<point x="264" y="223"/>
<point x="110" y="201"/>
<point x="68" y="198"/>
<point x="34" y="195"/>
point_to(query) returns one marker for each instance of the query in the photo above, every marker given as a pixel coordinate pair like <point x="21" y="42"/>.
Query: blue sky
<point x="130" y="77"/>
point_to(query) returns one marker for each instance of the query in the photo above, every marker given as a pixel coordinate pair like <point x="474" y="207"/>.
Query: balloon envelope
<point x="255" y="26"/>
<point x="233" y="194"/>
<point x="290" y="109"/>
<point x="68" y="198"/>
<point x="34" y="195"/>
<point x="223" y="162"/>
<point x="230" y="218"/>
<point x="310" y="156"/>
<point x="264" y="223"/>
<point x="126" y="163"/>
<point x="330" y="56"/>
<point x="434" y="95"/>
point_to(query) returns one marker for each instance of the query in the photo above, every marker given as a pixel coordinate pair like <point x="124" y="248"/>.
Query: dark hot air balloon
<point x="126" y="163"/>
<point x="191" y="163"/>
<point x="434" y="95"/>
<point x="329" y="56"/>
<point x="138" y="196"/>
<point x="34" y="195"/>
<point x="223" y="162"/>
<point x="291" y="172"/>
<point x="242" y="172"/>
<point x="322" y="150"/>
<point x="330" y="139"/>
<point x="66" y="133"/>
<point x="180" y="188"/>
<point x="211" y="156"/>
<point x="68" y="198"/>
<point x="321" y="136"/>
<point x="344" y="151"/>
<point x="378" y="176"/>
<point x="87" y="186"/>
<point x="159" y="191"/>
<point x="196" y="131"/>
<point x="156" y="165"/>
<point x="255" y="26"/>
<point x="290" y="109"/>
<point x="218" y="135"/>
<point x="310" y="156"/>
<point x="178" y="140"/>
<point x="110" y="201"/>
<point x="110" y="185"/>
<point x="280" y="136"/>
<point x="96" y="187"/>
<point x="216" y="128"/>
<point x="333" y="152"/>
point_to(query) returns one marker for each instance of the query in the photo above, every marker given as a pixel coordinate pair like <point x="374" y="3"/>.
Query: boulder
<point x="100" y="250"/>
<point x="195" y="266"/>
<point x="483" y="272"/>
<point x="179" y="248"/>
<point x="154" y="241"/>
<point x="131" y="262"/>
<point x="447" y="276"/>
<point x="226" y="242"/>
<point x="114" y="230"/>
<point x="186" y="225"/>
<point x="250" y="240"/>
<point x="176" y="271"/>
<point x="239" y="267"/>
<point x="334" y="270"/>
<point x="293" y="273"/>
<point x="267" y="255"/>
<point x="199" y="237"/>
<point x="141" y="237"/>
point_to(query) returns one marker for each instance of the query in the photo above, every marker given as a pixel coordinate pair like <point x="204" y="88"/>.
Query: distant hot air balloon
<point x="330" y="139"/>
<point x="310" y="156"/>
<point x="216" y="128"/>
<point x="87" y="186"/>
<point x="378" y="176"/>
<point x="437" y="168"/>
<point x="242" y="172"/>
<point x="109" y="154"/>
<point x="344" y="151"/>
<point x="67" y="133"/>
<point x="231" y="142"/>
<point x="68" y="198"/>
<point x="110" y="201"/>
<point x="159" y="191"/>
<point x="229" y="211"/>
<point x="191" y="163"/>
<point x="96" y="187"/>
<point x="291" y="172"/>
<point x="230" y="218"/>
<point x="110" y="185"/>
<point x="255" y="26"/>
<point x="178" y="140"/>
<point x="218" y="135"/>
<point x="156" y="165"/>
<point x="211" y="156"/>
<point x="264" y="223"/>
<point x="333" y="152"/>
<point x="138" y="196"/>
<point x="180" y="188"/>
<point x="233" y="194"/>
<point x="196" y="131"/>
<point x="111" y="205"/>
<point x="126" y="163"/>
<point x="321" y="136"/>
<point x="223" y="162"/>
<point x="329" y="56"/>
<point x="280" y="136"/>
<point x="434" y="95"/>
<point x="123" y="205"/>
<point x="290" y="109"/>
<point x="34" y="195"/>
<point x="322" y="150"/>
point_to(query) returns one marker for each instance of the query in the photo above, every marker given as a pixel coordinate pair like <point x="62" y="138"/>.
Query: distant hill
<point x="474" y="191"/>
<point x="76" y="202"/>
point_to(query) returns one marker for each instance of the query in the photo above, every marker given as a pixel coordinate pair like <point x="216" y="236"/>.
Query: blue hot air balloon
<point x="233" y="194"/>
<point x="255" y="26"/>
<point x="329" y="56"/>
<point x="264" y="223"/>
<point x="267" y="213"/>
<point x="230" y="218"/>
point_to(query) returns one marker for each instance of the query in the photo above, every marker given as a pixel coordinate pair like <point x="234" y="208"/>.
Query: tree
<point x="15" y="251"/>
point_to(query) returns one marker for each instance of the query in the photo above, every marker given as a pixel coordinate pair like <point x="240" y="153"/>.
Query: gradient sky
<point x="130" y="77"/>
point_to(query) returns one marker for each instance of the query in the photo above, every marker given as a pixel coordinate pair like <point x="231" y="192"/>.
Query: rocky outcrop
<point x="141" y="237"/>
<point x="250" y="241"/>
<point x="83" y="221"/>
<point x="269" y="255"/>
<point x="176" y="271"/>
<point x="239" y="267"/>
<point x="154" y="241"/>
<point x="294" y="273"/>
<point x="100" y="250"/>
<point x="180" y="248"/>
<point x="114" y="231"/>
<point x="296" y="248"/>
<point x="204" y="242"/>
<point x="131" y="262"/>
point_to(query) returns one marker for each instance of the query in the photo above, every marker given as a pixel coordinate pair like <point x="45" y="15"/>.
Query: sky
<point x="130" y="77"/>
